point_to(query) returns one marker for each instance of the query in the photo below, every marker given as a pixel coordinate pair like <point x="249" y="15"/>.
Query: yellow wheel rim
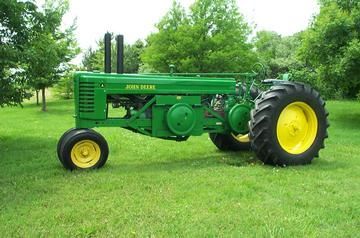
<point x="85" y="154"/>
<point x="241" y="138"/>
<point x="297" y="128"/>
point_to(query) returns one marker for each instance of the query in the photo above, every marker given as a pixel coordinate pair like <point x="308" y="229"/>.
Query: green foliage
<point x="305" y="74"/>
<point x="157" y="188"/>
<point x="331" y="46"/>
<point x="132" y="61"/>
<point x="13" y="89"/>
<point x="64" y="89"/>
<point x="358" y="96"/>
<point x="343" y="4"/>
<point x="164" y="48"/>
<point x="18" y="22"/>
<point x="93" y="59"/>
<point x="277" y="53"/>
<point x="327" y="55"/>
<point x="52" y="48"/>
<point x="33" y="50"/>
<point x="266" y="44"/>
<point x="211" y="38"/>
<point x="146" y="68"/>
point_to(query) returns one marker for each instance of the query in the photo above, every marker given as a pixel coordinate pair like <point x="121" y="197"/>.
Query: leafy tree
<point x="93" y="60"/>
<point x="132" y="60"/>
<point x="171" y="43"/>
<point x="18" y="22"/>
<point x="277" y="53"/>
<point x="211" y="38"/>
<point x="146" y="68"/>
<point x="51" y="50"/>
<point x="266" y="44"/>
<point x="332" y="46"/>
<point x="343" y="4"/>
<point x="65" y="87"/>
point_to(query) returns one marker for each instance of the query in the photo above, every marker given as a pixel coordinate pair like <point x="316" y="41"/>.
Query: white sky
<point x="135" y="19"/>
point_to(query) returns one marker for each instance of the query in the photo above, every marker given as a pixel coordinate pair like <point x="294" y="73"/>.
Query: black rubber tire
<point x="264" y="119"/>
<point x="61" y="141"/>
<point x="74" y="136"/>
<point x="227" y="142"/>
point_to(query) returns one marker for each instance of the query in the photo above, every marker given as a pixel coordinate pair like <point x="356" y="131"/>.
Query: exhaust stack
<point x="107" y="55"/>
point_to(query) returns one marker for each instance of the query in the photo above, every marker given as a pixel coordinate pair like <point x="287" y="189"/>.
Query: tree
<point x="266" y="44"/>
<point x="343" y="4"/>
<point x="18" y="22"/>
<point x="93" y="59"/>
<point x="277" y="53"/>
<point x="332" y="46"/>
<point x="168" y="45"/>
<point x="65" y="87"/>
<point x="51" y="50"/>
<point x="132" y="60"/>
<point x="211" y="38"/>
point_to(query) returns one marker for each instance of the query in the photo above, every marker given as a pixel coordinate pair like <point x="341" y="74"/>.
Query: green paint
<point x="238" y="118"/>
<point x="159" y="105"/>
<point x="181" y="119"/>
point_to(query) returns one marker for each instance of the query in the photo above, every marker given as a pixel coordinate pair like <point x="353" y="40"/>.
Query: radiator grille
<point x="86" y="96"/>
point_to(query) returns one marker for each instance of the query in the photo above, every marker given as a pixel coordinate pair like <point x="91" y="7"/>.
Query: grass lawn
<point x="157" y="188"/>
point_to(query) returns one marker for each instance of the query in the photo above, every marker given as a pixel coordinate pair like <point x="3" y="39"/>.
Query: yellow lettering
<point x="140" y="86"/>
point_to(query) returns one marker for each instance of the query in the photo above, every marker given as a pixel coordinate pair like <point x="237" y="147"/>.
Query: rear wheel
<point x="288" y="125"/>
<point x="83" y="149"/>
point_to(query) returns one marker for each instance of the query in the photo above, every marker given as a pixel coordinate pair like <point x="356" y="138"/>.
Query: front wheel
<point x="288" y="125"/>
<point x="61" y="140"/>
<point x="83" y="149"/>
<point x="230" y="142"/>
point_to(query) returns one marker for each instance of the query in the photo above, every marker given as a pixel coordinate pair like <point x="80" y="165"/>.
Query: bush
<point x="358" y="96"/>
<point x="65" y="87"/>
<point x="316" y="80"/>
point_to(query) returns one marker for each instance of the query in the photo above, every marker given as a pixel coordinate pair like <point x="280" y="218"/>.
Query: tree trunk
<point x="43" y="100"/>
<point x="37" y="97"/>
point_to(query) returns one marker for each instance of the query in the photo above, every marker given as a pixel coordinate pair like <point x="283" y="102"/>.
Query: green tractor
<point x="286" y="124"/>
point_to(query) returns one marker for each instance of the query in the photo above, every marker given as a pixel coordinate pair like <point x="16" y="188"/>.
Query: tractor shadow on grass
<point x="240" y="159"/>
<point x="201" y="161"/>
<point x="326" y="165"/>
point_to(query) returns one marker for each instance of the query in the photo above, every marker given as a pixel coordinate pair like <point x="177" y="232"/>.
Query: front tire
<point x="233" y="142"/>
<point x="83" y="149"/>
<point x="288" y="125"/>
<point x="60" y="142"/>
<point x="230" y="142"/>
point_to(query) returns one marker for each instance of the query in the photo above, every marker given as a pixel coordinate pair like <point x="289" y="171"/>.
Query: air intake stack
<point x="120" y="54"/>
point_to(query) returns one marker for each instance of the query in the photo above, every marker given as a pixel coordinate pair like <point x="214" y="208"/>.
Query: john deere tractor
<point x="285" y="123"/>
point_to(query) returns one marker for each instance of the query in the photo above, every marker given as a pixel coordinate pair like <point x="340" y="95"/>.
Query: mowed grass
<point x="157" y="188"/>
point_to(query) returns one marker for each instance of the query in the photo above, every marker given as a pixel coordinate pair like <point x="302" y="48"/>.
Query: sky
<point x="135" y="19"/>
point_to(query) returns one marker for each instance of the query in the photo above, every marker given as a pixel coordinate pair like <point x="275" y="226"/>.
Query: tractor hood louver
<point x="86" y="96"/>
